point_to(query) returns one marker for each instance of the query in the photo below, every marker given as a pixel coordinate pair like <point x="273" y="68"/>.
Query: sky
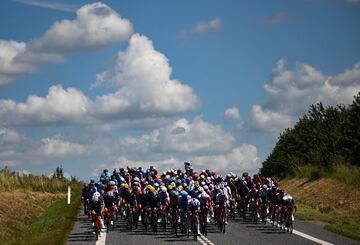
<point x="92" y="85"/>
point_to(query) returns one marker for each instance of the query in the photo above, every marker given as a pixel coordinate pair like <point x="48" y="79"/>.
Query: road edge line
<point x="314" y="239"/>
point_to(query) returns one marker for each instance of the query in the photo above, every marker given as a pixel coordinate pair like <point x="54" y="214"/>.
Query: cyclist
<point x="96" y="210"/>
<point x="193" y="212"/>
<point x="110" y="204"/>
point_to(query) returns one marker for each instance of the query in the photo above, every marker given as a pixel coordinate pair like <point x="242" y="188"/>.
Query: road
<point x="237" y="232"/>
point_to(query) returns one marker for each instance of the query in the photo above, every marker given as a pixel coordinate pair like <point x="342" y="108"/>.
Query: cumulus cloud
<point x="203" y="27"/>
<point x="232" y="113"/>
<point x="143" y="78"/>
<point x="239" y="159"/>
<point x="144" y="90"/>
<point x="182" y="137"/>
<point x="205" y="144"/>
<point x="290" y="92"/>
<point x="58" y="148"/>
<point x="269" y="121"/>
<point x="96" y="26"/>
<point x="16" y="149"/>
<point x="59" y="106"/>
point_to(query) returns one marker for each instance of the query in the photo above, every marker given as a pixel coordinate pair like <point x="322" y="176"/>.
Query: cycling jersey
<point x="129" y="197"/>
<point x="151" y="200"/>
<point x="221" y="200"/>
<point x="97" y="206"/>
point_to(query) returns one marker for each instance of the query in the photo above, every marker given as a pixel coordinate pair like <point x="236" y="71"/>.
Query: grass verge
<point x="345" y="225"/>
<point x="327" y="200"/>
<point x="53" y="226"/>
<point x="344" y="173"/>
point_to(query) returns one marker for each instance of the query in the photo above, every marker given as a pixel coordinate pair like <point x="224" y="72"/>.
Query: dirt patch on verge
<point x="326" y="195"/>
<point x="18" y="208"/>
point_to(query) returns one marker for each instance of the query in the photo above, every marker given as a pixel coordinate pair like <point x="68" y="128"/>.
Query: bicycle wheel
<point x="145" y="220"/>
<point x="194" y="230"/>
<point x="163" y="219"/>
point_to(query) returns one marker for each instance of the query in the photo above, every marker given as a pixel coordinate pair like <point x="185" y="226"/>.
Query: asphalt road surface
<point x="237" y="232"/>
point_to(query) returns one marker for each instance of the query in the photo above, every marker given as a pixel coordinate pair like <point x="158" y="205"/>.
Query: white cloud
<point x="239" y="159"/>
<point x="210" y="26"/>
<point x="58" y="148"/>
<point x="59" y="106"/>
<point x="232" y="113"/>
<point x="205" y="144"/>
<point x="95" y="26"/>
<point x="182" y="137"/>
<point x="291" y="91"/>
<point x="49" y="5"/>
<point x="143" y="78"/>
<point x="269" y="121"/>
<point x="9" y="136"/>
<point x="18" y="150"/>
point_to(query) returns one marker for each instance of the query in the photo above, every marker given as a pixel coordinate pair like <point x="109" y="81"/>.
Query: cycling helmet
<point x="200" y="189"/>
<point x="175" y="193"/>
<point x="196" y="176"/>
<point x="136" y="179"/>
<point x="170" y="187"/>
<point x="96" y="197"/>
<point x="110" y="193"/>
<point x="193" y="201"/>
<point x="184" y="194"/>
<point x="151" y="188"/>
<point x="151" y="182"/>
<point x="206" y="188"/>
<point x="126" y="186"/>
<point x="204" y="195"/>
<point x="163" y="189"/>
<point x="156" y="185"/>
<point x="180" y="187"/>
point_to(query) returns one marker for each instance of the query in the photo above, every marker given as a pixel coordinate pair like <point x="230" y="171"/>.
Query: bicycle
<point x="163" y="216"/>
<point x="204" y="217"/>
<point x="144" y="218"/>
<point x="154" y="222"/>
<point x="108" y="219"/>
<point x="221" y="219"/>
<point x="97" y="225"/>
<point x="174" y="219"/>
<point x="130" y="217"/>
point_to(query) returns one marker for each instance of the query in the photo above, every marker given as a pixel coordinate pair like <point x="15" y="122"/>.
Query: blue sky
<point x="244" y="72"/>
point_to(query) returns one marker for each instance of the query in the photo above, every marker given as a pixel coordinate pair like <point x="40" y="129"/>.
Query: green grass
<point x="53" y="226"/>
<point x="346" y="174"/>
<point x="345" y="225"/>
<point x="12" y="180"/>
<point x="342" y="172"/>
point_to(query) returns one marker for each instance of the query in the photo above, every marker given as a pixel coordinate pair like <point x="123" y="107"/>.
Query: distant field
<point x="331" y="201"/>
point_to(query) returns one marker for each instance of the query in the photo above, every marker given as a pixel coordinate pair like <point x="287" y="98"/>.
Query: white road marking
<point x="311" y="238"/>
<point x="101" y="240"/>
<point x="202" y="241"/>
<point x="314" y="239"/>
<point x="207" y="241"/>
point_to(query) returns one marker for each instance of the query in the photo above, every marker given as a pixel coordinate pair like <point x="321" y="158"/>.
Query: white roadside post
<point x="69" y="194"/>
